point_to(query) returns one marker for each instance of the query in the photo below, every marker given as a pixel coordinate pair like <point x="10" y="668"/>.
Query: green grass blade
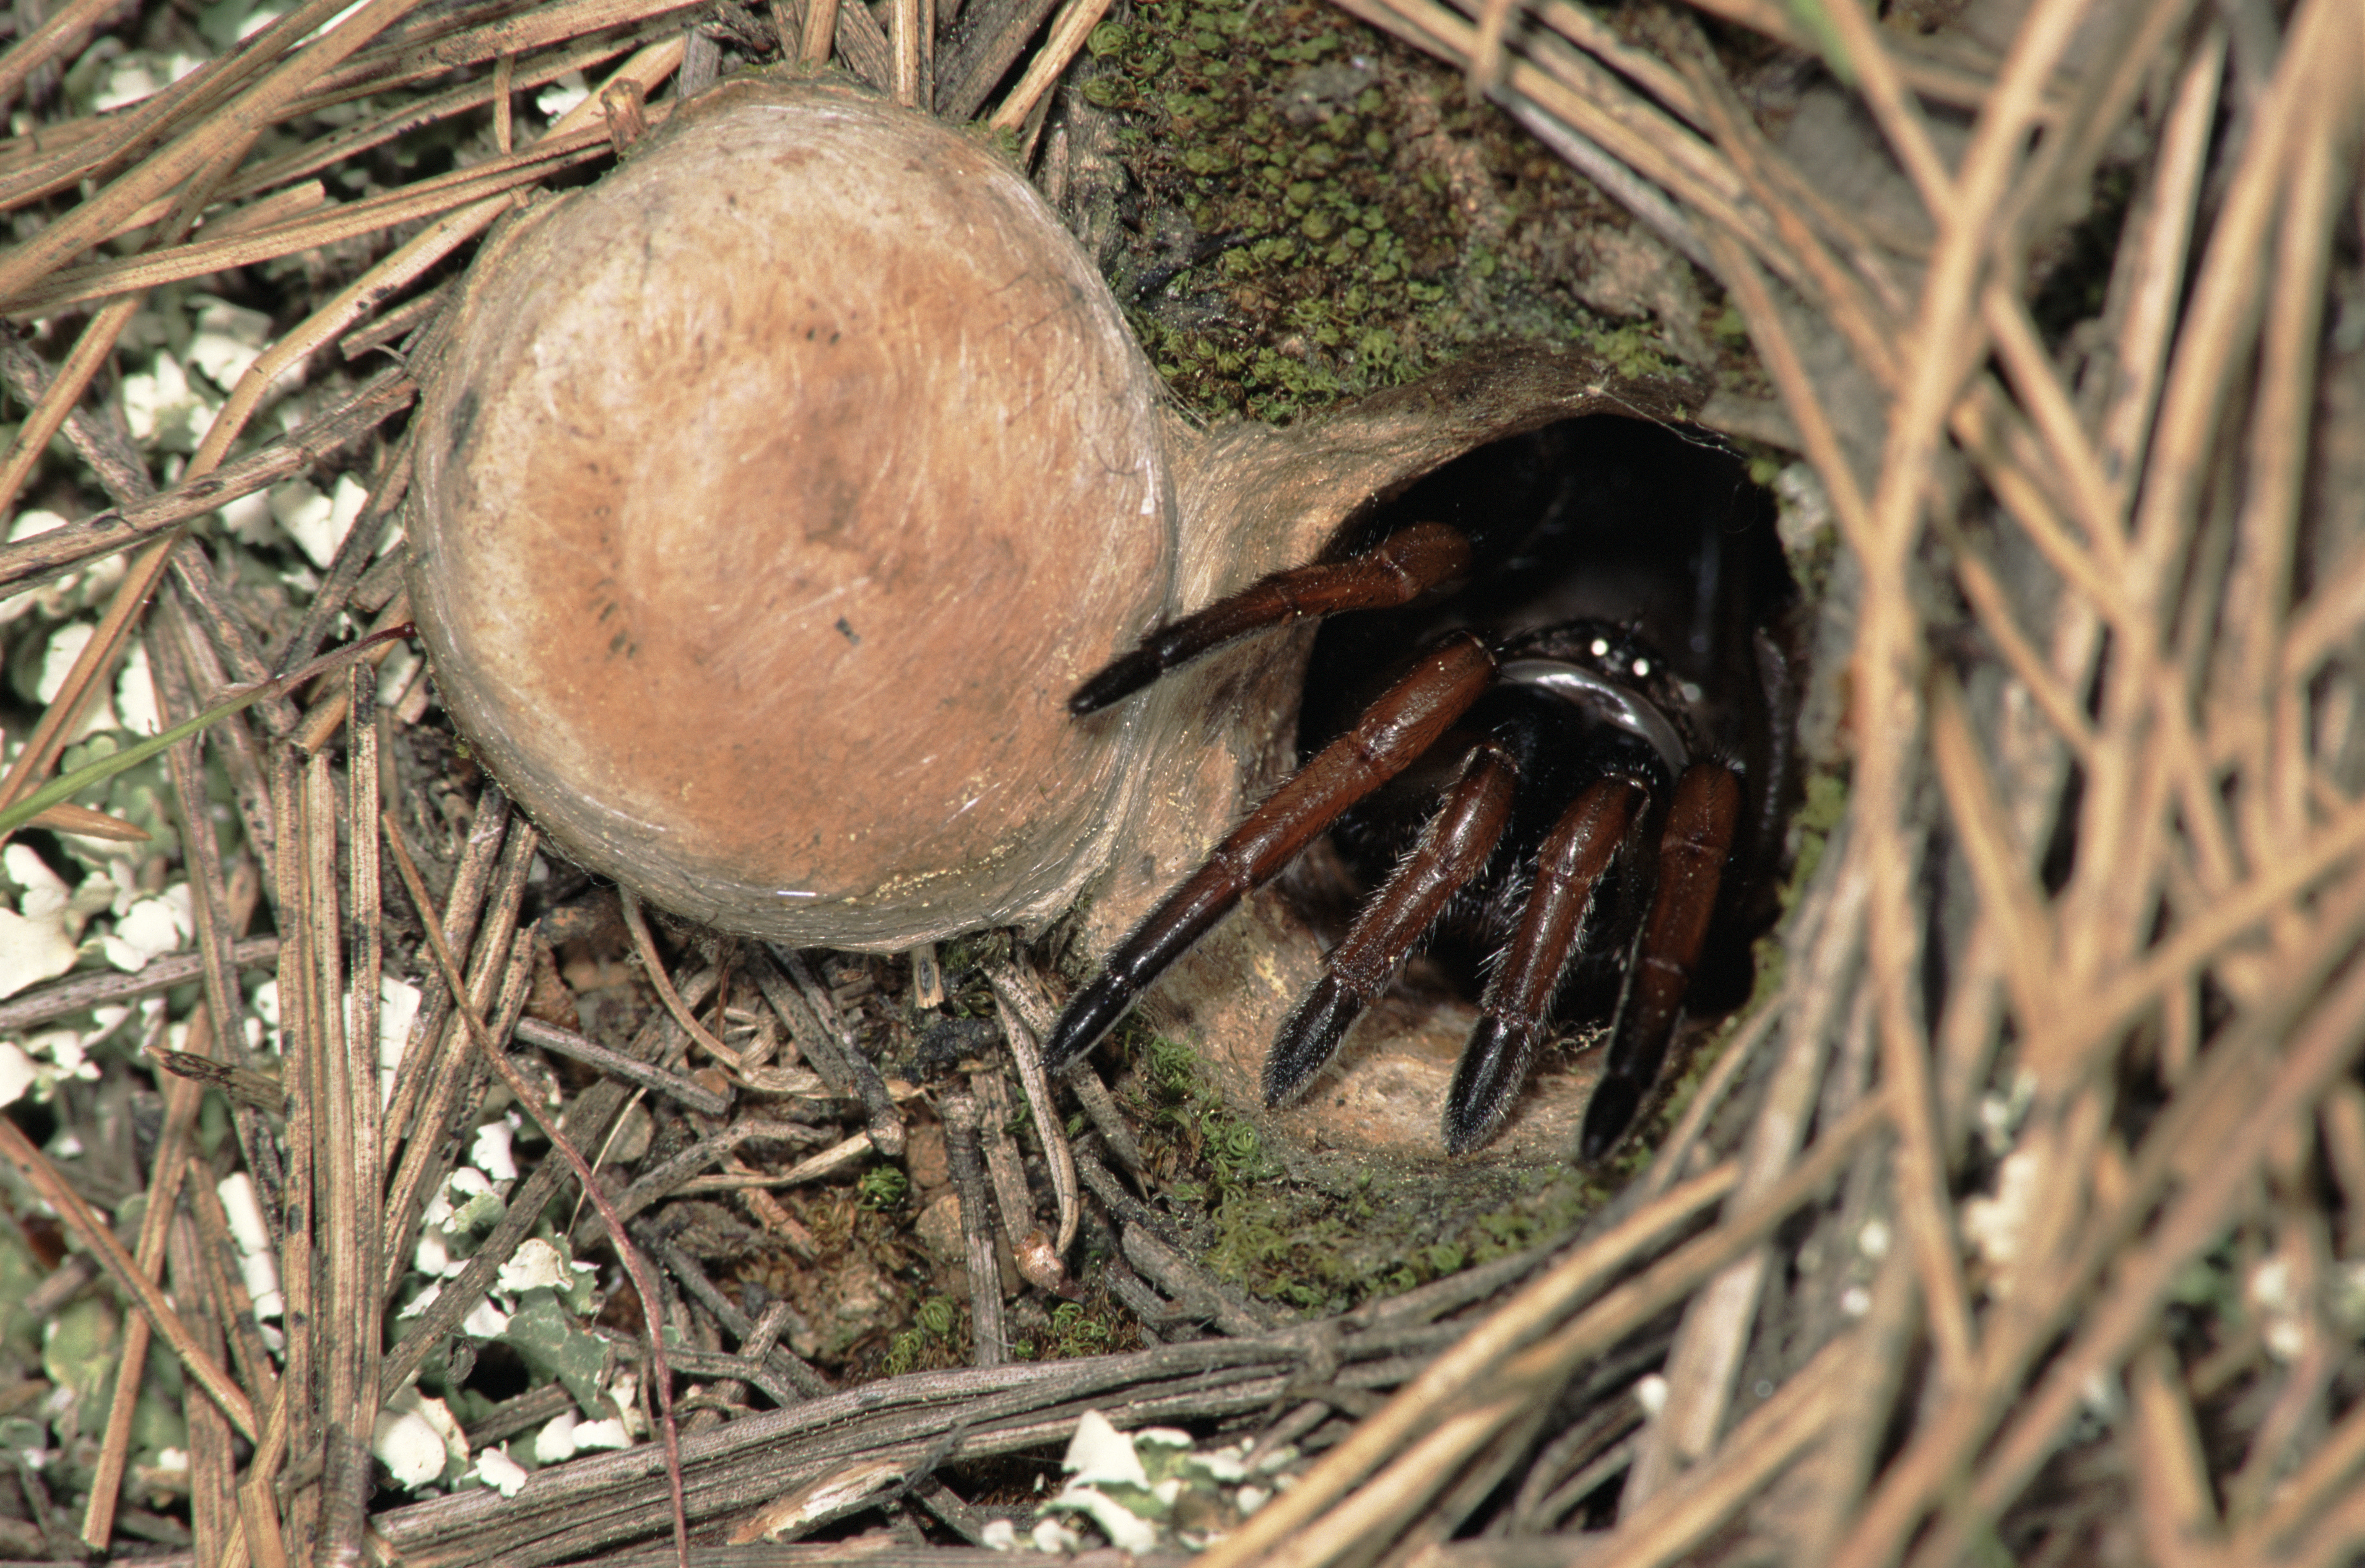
<point x="66" y="787"/>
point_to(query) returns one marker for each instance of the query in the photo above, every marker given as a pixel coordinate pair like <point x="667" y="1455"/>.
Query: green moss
<point x="1093" y="1326"/>
<point x="1825" y="804"/>
<point x="1631" y="349"/>
<point x="934" y="1340"/>
<point x="1226" y="1149"/>
<point x="1353" y="220"/>
<point x="884" y="1187"/>
<point x="1321" y="1239"/>
<point x="80" y="1348"/>
<point x="19" y="1333"/>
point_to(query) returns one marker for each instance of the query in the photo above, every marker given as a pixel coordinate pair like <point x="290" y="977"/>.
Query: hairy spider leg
<point x="1403" y="567"/>
<point x="1701" y="821"/>
<point x="1453" y="849"/>
<point x="1519" y="1001"/>
<point x="1406" y="721"/>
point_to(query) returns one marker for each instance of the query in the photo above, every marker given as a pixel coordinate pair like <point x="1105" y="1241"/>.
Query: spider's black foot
<point x="1307" y="1041"/>
<point x="1092" y="1013"/>
<point x="1607" y="1117"/>
<point x="1486" y="1080"/>
<point x="1116" y="680"/>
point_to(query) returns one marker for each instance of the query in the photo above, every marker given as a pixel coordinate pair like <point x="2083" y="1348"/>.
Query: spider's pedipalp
<point x="1405" y="722"/>
<point x="1453" y="849"/>
<point x="1518" y="1000"/>
<point x="1403" y="567"/>
<point x="1702" y="821"/>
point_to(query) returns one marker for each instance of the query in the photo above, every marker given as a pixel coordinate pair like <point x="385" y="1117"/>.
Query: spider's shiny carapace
<point x="1562" y="797"/>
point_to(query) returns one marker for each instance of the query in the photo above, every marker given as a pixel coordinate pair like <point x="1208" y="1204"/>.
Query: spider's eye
<point x="1641" y="669"/>
<point x="1601" y="647"/>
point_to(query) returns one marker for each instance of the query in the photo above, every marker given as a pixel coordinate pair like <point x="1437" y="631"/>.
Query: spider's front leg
<point x="1398" y="570"/>
<point x="1701" y="821"/>
<point x="1392" y="733"/>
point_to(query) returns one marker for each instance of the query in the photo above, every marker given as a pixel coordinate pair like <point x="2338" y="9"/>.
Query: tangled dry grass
<point x="2021" y="1219"/>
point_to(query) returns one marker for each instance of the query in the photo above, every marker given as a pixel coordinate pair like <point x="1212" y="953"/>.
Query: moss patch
<point x="1325" y="214"/>
<point x="1333" y="1237"/>
<point x="1826" y="805"/>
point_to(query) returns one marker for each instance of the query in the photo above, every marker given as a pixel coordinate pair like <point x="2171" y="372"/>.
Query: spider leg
<point x="1519" y="1001"/>
<point x="1453" y="849"/>
<point x="1404" y="565"/>
<point x="1701" y="822"/>
<point x="1405" y="722"/>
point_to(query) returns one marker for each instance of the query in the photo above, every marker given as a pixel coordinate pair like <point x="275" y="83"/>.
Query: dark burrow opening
<point x="1658" y="531"/>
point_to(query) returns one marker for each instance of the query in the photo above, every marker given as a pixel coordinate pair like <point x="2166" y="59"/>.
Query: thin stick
<point x="257" y="1529"/>
<point x="654" y="967"/>
<point x="349" y="1212"/>
<point x="2143" y="329"/>
<point x="2198" y="1118"/>
<point x="1004" y="1166"/>
<point x="425" y="1069"/>
<point x="89" y="351"/>
<point x="1998" y="866"/>
<point x="38" y="47"/>
<point x="91" y="667"/>
<point x="2315" y="1486"/>
<point x="99" y="1237"/>
<point x="225" y="1282"/>
<point x="566" y="1042"/>
<point x="1074" y="26"/>
<point x="1986" y="593"/>
<point x="1732" y="1057"/>
<point x="2318" y="1053"/>
<point x="324" y="225"/>
<point x="1769" y="1438"/>
<point x="116" y="141"/>
<point x="181" y="1099"/>
<point x="1960" y="86"/>
<point x="831" y="1050"/>
<point x="504" y="130"/>
<point x="320" y="152"/>
<point x="57" y="790"/>
<point x="821" y="34"/>
<point x="1892" y="106"/>
<point x="988" y="1348"/>
<point x="835" y="1157"/>
<point x="171" y="167"/>
<point x="2072" y="458"/>
<point x="651" y="1304"/>
<point x="1486" y="54"/>
<point x="1889" y="651"/>
<point x="418" y="57"/>
<point x="903" y="19"/>
<point x="1027" y="1050"/>
<point x="28" y="561"/>
<point x="1704" y="1355"/>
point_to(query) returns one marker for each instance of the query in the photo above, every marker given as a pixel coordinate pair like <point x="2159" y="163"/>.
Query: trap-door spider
<point x="1586" y="818"/>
